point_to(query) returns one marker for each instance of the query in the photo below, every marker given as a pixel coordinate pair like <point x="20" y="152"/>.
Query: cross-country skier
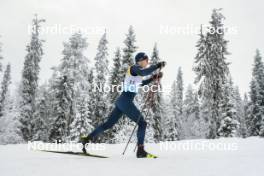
<point x="124" y="104"/>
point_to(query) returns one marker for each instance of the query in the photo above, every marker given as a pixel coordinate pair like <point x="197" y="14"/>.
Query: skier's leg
<point x="112" y="119"/>
<point x="134" y="114"/>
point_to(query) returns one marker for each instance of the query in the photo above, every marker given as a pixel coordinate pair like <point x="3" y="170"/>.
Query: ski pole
<point x="134" y="127"/>
<point x="148" y="96"/>
<point x="151" y="103"/>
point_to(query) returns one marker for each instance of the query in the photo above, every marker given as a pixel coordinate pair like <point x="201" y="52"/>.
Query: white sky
<point x="147" y="17"/>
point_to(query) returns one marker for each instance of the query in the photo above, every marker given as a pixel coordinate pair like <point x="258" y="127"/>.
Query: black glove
<point x="162" y="64"/>
<point x="157" y="76"/>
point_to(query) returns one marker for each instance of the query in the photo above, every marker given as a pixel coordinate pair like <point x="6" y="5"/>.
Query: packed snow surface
<point x="221" y="157"/>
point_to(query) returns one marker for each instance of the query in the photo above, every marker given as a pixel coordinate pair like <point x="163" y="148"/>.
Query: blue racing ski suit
<point x="124" y="105"/>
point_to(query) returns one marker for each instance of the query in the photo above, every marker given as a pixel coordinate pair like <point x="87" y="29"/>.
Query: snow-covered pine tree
<point x="9" y="123"/>
<point x="247" y="114"/>
<point x="129" y="50"/>
<point x="115" y="79"/>
<point x="81" y="124"/>
<point x="6" y="81"/>
<point x="200" y="60"/>
<point x="179" y="92"/>
<point x="30" y="78"/>
<point x="116" y="76"/>
<point x="74" y="67"/>
<point x="211" y="68"/>
<point x="41" y="115"/>
<point x="228" y="127"/>
<point x="156" y="107"/>
<point x="0" y="70"/>
<point x="70" y="81"/>
<point x="191" y="114"/>
<point x="229" y="124"/>
<point x="190" y="103"/>
<point x="177" y="102"/>
<point x="239" y="106"/>
<point x="257" y="97"/>
<point x="169" y="125"/>
<point x="199" y="126"/>
<point x="101" y="73"/>
<point x="1" y="57"/>
<point x="91" y="95"/>
<point x="59" y="130"/>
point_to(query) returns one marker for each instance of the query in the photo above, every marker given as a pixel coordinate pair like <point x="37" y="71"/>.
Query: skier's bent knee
<point x="142" y="123"/>
<point x="107" y="126"/>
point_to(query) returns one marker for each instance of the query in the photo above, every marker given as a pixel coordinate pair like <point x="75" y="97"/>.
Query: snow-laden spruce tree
<point x="211" y="68"/>
<point x="239" y="106"/>
<point x="6" y="81"/>
<point x="115" y="79"/>
<point x="176" y="101"/>
<point x="61" y="106"/>
<point x="257" y="97"/>
<point x="82" y="122"/>
<point x="9" y="123"/>
<point x="29" y="83"/>
<point x="129" y="50"/>
<point x="247" y="114"/>
<point x="192" y="123"/>
<point x="172" y="131"/>
<point x="156" y="107"/>
<point x="91" y="95"/>
<point x="116" y="76"/>
<point x="101" y="75"/>
<point x="229" y="124"/>
<point x="1" y="57"/>
<point x="9" y="131"/>
<point x="168" y="122"/>
<point x="179" y="93"/>
<point x="69" y="82"/>
<point x="81" y="125"/>
<point x="41" y="115"/>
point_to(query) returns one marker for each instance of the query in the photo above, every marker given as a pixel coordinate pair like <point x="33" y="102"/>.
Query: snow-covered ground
<point x="221" y="157"/>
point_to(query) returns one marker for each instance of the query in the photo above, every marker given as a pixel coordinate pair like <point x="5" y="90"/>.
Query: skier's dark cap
<point x="140" y="56"/>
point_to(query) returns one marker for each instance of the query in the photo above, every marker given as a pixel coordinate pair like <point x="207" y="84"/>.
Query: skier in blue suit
<point x="124" y="104"/>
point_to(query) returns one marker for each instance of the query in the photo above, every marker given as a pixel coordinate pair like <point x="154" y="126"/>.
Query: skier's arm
<point x="153" y="77"/>
<point x="137" y="70"/>
<point x="146" y="81"/>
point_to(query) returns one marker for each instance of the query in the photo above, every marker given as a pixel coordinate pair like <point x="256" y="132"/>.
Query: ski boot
<point x="85" y="140"/>
<point x="141" y="153"/>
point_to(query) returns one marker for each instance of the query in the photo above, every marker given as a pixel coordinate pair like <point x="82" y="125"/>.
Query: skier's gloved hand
<point x="162" y="64"/>
<point x="157" y="76"/>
